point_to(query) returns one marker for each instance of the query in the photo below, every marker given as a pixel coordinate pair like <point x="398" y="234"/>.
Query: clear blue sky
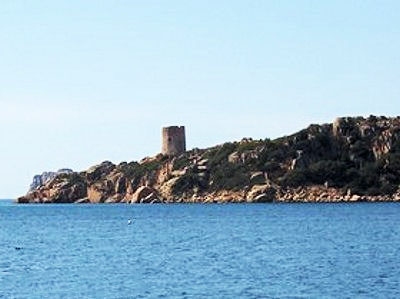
<point x="87" y="81"/>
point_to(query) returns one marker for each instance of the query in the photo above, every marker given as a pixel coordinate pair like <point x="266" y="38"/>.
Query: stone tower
<point x="173" y="140"/>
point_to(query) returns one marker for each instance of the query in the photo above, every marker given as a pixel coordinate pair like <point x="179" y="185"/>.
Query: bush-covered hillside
<point x="353" y="155"/>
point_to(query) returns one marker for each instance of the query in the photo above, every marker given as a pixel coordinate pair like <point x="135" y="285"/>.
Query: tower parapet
<point x="173" y="140"/>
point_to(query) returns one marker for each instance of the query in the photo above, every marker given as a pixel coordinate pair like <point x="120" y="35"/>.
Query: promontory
<point x="352" y="159"/>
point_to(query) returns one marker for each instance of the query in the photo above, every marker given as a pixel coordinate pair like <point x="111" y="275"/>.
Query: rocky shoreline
<point x="258" y="194"/>
<point x="350" y="160"/>
<point x="61" y="191"/>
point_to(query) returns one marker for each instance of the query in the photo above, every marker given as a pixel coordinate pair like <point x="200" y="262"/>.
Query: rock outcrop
<point x="262" y="193"/>
<point x="352" y="160"/>
<point x="42" y="179"/>
<point x="64" y="188"/>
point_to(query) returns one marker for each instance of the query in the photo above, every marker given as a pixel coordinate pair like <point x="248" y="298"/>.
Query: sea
<point x="200" y="250"/>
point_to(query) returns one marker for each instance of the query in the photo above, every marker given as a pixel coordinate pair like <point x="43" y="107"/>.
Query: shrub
<point x="187" y="183"/>
<point x="229" y="176"/>
<point x="248" y="146"/>
<point x="220" y="154"/>
<point x="181" y="162"/>
<point x="296" y="178"/>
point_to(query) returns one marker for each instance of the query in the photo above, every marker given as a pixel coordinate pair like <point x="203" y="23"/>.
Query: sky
<point x="82" y="82"/>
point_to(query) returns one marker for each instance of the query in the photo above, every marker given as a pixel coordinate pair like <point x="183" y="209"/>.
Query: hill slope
<point x="353" y="159"/>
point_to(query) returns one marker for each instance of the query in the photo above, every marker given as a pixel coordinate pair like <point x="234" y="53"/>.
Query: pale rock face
<point x="144" y="194"/>
<point x="234" y="157"/>
<point x="261" y="193"/>
<point x="42" y="179"/>
<point x="97" y="171"/>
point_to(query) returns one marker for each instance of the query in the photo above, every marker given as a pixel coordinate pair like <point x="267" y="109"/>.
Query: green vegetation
<point x="151" y="166"/>
<point x="72" y="178"/>
<point x="224" y="174"/>
<point x="135" y="171"/>
<point x="229" y="176"/>
<point x="248" y="146"/>
<point x="219" y="154"/>
<point x="181" y="162"/>
<point x="367" y="178"/>
<point x="320" y="159"/>
<point x="362" y="156"/>
<point x="189" y="181"/>
<point x="313" y="156"/>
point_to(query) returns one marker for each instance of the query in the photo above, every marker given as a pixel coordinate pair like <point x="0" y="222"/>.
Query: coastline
<point x="353" y="159"/>
<point x="258" y="194"/>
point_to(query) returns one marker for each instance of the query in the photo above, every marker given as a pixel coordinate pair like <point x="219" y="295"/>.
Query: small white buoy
<point x="129" y="221"/>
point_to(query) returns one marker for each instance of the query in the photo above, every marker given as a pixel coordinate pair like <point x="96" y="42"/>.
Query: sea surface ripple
<point x="200" y="251"/>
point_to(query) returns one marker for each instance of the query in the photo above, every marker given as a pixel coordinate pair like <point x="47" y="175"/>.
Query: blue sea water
<point x="200" y="251"/>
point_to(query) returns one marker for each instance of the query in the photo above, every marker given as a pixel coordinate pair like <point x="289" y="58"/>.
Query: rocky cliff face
<point x="353" y="159"/>
<point x="41" y="179"/>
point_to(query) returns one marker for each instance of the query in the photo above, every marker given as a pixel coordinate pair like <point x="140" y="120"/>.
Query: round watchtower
<point x="173" y="140"/>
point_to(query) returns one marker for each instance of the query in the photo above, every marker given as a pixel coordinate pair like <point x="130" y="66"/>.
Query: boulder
<point x="116" y="198"/>
<point x="151" y="198"/>
<point x="67" y="193"/>
<point x="261" y="193"/>
<point x="144" y="194"/>
<point x="234" y="158"/>
<point x="94" y="194"/>
<point x="100" y="191"/>
<point x="96" y="172"/>
<point x="202" y="162"/>
<point x="257" y="178"/>
<point x="355" y="198"/>
<point x="263" y="197"/>
<point x="82" y="200"/>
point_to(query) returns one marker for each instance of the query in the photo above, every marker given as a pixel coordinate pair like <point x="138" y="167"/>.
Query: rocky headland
<point x="351" y="160"/>
<point x="42" y="179"/>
